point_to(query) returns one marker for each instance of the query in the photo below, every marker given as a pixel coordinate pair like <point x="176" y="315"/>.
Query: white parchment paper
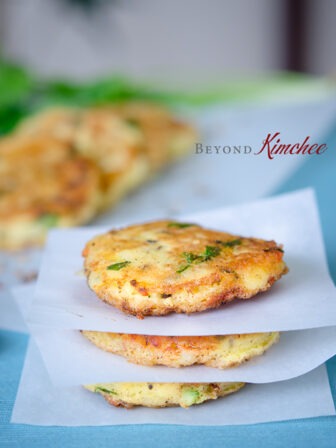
<point x="304" y="298"/>
<point x="296" y="353"/>
<point x="38" y="402"/>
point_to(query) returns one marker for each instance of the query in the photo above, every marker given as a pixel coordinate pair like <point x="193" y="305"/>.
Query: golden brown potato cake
<point x="165" y="138"/>
<point x="116" y="147"/>
<point x="103" y="152"/>
<point x="57" y="122"/>
<point x="101" y="135"/>
<point x="42" y="185"/>
<point x="162" y="267"/>
<point x="162" y="395"/>
<point x="179" y="351"/>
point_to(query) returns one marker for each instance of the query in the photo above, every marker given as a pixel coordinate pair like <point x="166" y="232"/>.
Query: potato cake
<point x="42" y="185"/>
<point x="179" y="351"/>
<point x="56" y="122"/>
<point x="117" y="149"/>
<point x="63" y="166"/>
<point x="162" y="395"/>
<point x="131" y="138"/>
<point x="166" y="138"/>
<point x="161" y="267"/>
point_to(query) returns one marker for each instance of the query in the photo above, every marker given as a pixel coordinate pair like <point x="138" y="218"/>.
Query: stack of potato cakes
<point x="166" y="267"/>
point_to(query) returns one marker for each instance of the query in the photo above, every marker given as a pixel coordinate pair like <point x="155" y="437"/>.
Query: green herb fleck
<point x="118" y="266"/>
<point x="190" y="396"/>
<point x="190" y="258"/>
<point x="48" y="220"/>
<point x="180" y="225"/>
<point x="105" y="391"/>
<point x="183" y="268"/>
<point x="132" y="122"/>
<point x="210" y="252"/>
<point x="231" y="243"/>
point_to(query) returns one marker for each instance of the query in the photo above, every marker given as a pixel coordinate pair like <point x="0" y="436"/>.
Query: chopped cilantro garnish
<point x="117" y="266"/>
<point x="190" y="258"/>
<point x="183" y="268"/>
<point x="180" y="225"/>
<point x="231" y="243"/>
<point x="106" y="391"/>
<point x="210" y="252"/>
<point x="48" y="220"/>
<point x="132" y="122"/>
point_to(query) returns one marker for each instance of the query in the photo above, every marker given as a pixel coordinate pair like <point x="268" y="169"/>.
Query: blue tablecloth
<point x="318" y="172"/>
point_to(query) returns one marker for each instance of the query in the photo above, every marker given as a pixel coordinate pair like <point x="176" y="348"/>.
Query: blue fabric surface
<point x="318" y="172"/>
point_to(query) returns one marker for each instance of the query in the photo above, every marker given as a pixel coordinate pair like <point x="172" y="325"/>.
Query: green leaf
<point x="10" y="116"/>
<point x="15" y="84"/>
<point x="118" y="266"/>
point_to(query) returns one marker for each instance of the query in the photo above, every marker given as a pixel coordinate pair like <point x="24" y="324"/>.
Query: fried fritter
<point x="129" y="142"/>
<point x="179" y="351"/>
<point x="42" y="185"/>
<point x="162" y="267"/>
<point x="58" y="122"/>
<point x="162" y="395"/>
<point x="66" y="165"/>
<point x="116" y="147"/>
<point x="165" y="138"/>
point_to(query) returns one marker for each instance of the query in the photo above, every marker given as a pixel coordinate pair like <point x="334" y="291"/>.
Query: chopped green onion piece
<point x="183" y="268"/>
<point x="117" y="266"/>
<point x="106" y="391"/>
<point x="190" y="396"/>
<point x="231" y="243"/>
<point x="209" y="252"/>
<point x="180" y="225"/>
<point x="48" y="220"/>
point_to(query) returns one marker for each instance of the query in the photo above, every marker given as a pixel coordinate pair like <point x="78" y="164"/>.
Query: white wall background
<point x="155" y="38"/>
<point x="188" y="39"/>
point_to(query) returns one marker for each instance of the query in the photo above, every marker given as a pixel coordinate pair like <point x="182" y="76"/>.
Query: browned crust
<point x="211" y="302"/>
<point x="179" y="351"/>
<point x="146" y="287"/>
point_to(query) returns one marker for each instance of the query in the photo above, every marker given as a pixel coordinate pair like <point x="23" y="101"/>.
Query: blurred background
<point x="185" y="42"/>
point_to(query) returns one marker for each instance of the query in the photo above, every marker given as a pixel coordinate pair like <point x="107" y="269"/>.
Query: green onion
<point x="180" y="225"/>
<point x="48" y="220"/>
<point x="231" y="243"/>
<point x="210" y="252"/>
<point x="190" y="258"/>
<point x="118" y="266"/>
<point x="106" y="391"/>
<point x="183" y="268"/>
